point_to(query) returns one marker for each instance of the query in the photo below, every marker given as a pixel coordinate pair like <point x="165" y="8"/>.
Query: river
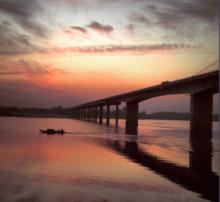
<point x="95" y="163"/>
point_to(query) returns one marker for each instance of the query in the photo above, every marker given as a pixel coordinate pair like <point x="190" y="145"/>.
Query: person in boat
<point x="49" y="131"/>
<point x="61" y="131"/>
<point x="52" y="131"/>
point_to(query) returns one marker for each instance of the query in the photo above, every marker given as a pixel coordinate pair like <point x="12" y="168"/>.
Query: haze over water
<point x="91" y="164"/>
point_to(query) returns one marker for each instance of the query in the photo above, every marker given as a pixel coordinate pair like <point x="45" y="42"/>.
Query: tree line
<point x="60" y="111"/>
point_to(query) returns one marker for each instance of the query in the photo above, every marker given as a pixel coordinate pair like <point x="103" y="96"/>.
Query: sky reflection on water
<point x="95" y="164"/>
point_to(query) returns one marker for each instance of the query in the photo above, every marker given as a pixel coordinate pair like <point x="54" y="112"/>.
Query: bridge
<point x="200" y="87"/>
<point x="199" y="176"/>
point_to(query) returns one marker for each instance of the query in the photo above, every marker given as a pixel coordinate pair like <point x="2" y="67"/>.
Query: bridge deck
<point x="187" y="85"/>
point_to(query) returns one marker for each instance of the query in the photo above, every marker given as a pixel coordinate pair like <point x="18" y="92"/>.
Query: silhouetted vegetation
<point x="36" y="112"/>
<point x="68" y="113"/>
<point x="160" y="115"/>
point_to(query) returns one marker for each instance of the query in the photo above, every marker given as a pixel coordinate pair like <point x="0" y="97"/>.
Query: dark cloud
<point x="22" y="27"/>
<point x="25" y="14"/>
<point x="14" y="43"/>
<point x="185" y="19"/>
<point x="206" y="10"/>
<point x="96" y="26"/>
<point x="139" y="17"/>
<point x="72" y="1"/>
<point x="100" y="27"/>
<point x="80" y="29"/>
<point x="152" y="7"/>
<point x="130" y="28"/>
<point x="18" y="8"/>
<point x="133" y="49"/>
<point x="77" y="31"/>
<point x="171" y="13"/>
<point x="103" y="29"/>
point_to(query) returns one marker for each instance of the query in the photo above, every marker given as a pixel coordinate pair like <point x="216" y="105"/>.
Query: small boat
<point x="50" y="131"/>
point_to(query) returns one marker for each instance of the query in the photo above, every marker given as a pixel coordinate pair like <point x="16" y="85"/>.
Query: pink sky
<point x="73" y="51"/>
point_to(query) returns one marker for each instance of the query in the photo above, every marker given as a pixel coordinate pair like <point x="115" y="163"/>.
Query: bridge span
<point x="200" y="87"/>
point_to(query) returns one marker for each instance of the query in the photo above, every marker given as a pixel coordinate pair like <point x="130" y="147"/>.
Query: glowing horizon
<point x="73" y="51"/>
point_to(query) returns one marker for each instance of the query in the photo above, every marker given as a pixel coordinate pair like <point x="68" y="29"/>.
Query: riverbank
<point x="60" y="112"/>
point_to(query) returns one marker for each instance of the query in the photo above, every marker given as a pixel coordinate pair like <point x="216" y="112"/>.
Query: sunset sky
<point x="67" y="52"/>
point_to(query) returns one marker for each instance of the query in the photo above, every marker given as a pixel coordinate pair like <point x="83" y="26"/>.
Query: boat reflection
<point x="198" y="177"/>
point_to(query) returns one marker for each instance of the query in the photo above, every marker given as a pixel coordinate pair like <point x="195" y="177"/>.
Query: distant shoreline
<point x="69" y="117"/>
<point x="60" y="112"/>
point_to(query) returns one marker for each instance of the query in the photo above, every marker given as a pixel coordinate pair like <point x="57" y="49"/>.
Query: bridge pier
<point x="101" y="114"/>
<point x="80" y="114"/>
<point x="116" y="115"/>
<point x="84" y="114"/>
<point x="132" y="118"/>
<point x="107" y="114"/>
<point x="201" y="113"/>
<point x="92" y="114"/>
<point x="74" y="114"/>
<point x="96" y="114"/>
<point x="89" y="115"/>
<point x="77" y="114"/>
<point x="201" y="132"/>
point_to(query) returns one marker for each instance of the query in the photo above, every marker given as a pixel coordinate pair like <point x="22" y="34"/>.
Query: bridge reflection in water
<point x="198" y="177"/>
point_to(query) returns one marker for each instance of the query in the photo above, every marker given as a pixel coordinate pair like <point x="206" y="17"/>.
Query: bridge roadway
<point x="200" y="87"/>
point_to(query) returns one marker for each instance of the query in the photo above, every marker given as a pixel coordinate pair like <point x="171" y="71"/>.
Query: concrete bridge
<point x="200" y="87"/>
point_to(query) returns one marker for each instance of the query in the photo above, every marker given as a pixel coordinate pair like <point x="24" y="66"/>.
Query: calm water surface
<point x="100" y="164"/>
